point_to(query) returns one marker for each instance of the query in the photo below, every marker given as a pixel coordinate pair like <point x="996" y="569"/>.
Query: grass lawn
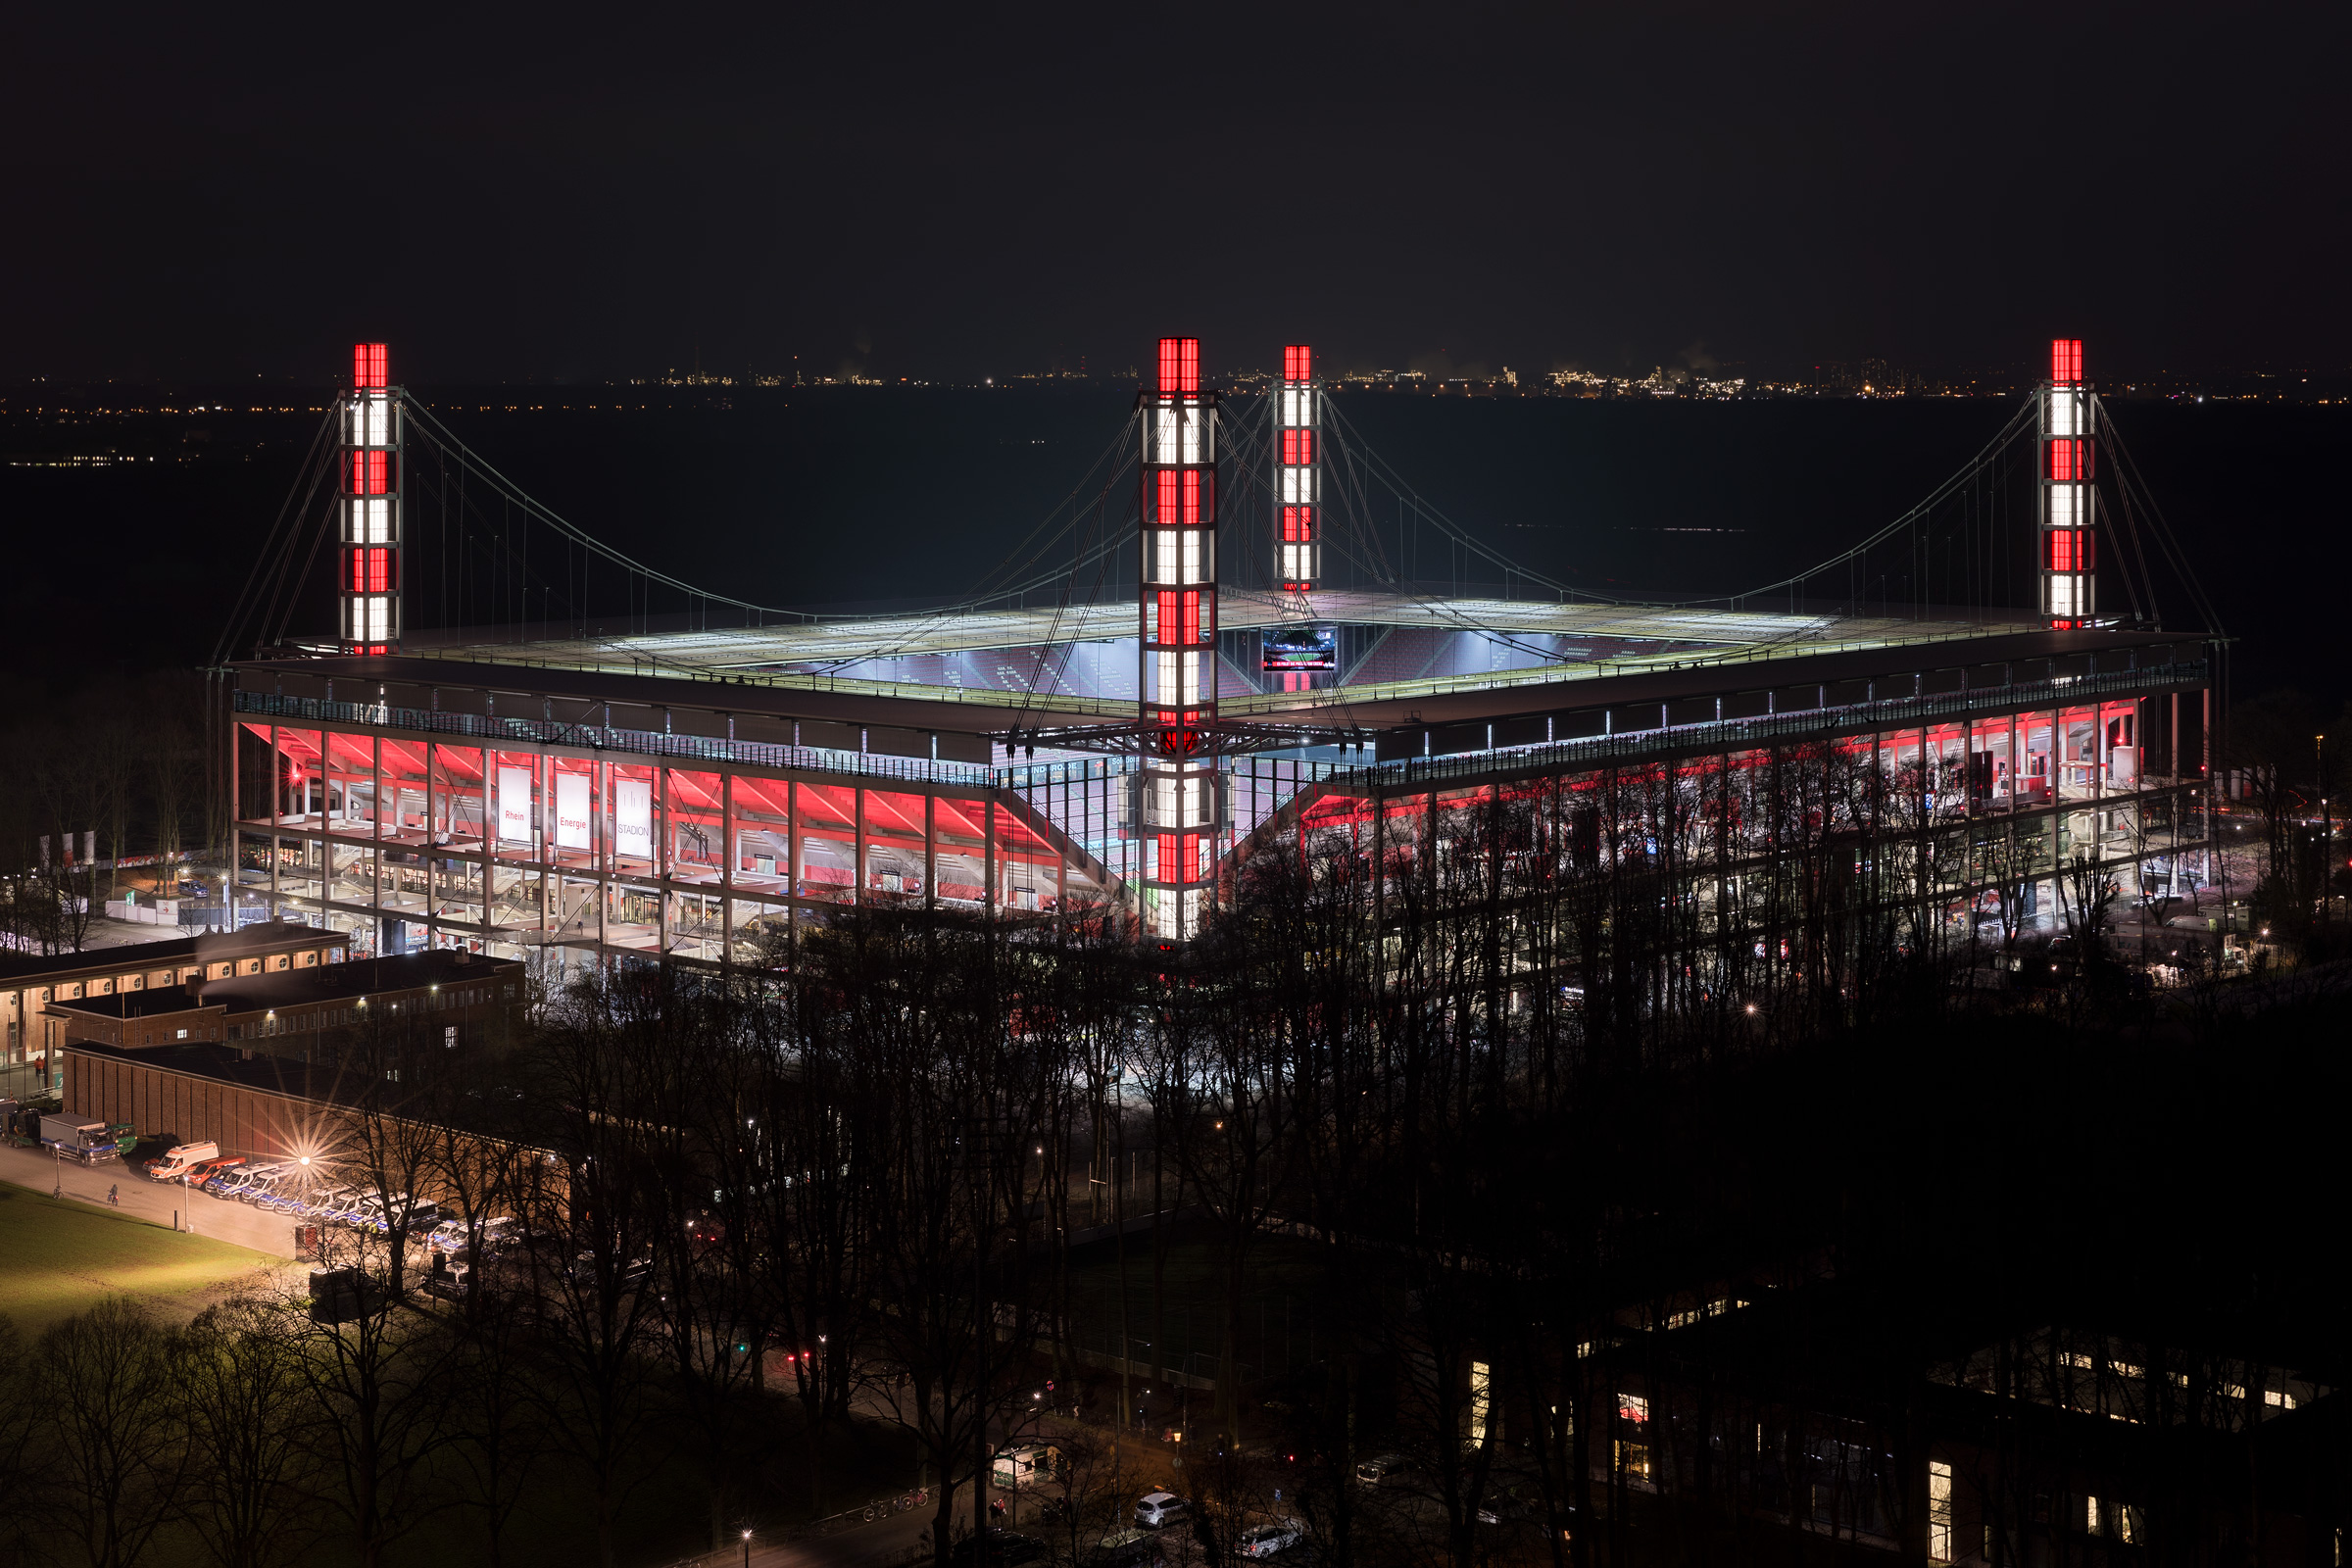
<point x="56" y="1259"/>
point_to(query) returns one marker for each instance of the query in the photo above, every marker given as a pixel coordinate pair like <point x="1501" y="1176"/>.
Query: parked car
<point x="1264" y="1541"/>
<point x="1385" y="1470"/>
<point x="421" y="1218"/>
<point x="225" y="1182"/>
<point x="1517" y="1500"/>
<point x="1003" y="1549"/>
<point x="1159" y="1509"/>
<point x="262" y="1182"/>
<point x="1128" y="1549"/>
<point x="202" y="1173"/>
<point x="634" y="1272"/>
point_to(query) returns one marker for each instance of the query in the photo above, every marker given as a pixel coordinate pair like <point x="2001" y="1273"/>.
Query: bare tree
<point x="19" y="1400"/>
<point x="239" y="1386"/>
<point x="377" y="1377"/>
<point x="111" y="1460"/>
<point x="596" y="1234"/>
<point x="498" y="1413"/>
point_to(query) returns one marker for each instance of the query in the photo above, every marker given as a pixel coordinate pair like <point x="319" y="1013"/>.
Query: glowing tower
<point x="367" y="586"/>
<point x="2069" y="595"/>
<point x="1177" y="681"/>
<point x="1297" y="470"/>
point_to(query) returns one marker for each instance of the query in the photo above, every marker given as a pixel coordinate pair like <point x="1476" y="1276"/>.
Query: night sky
<point x="219" y="192"/>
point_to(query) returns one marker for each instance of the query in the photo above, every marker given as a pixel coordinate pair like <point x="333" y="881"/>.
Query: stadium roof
<point x="1523" y="642"/>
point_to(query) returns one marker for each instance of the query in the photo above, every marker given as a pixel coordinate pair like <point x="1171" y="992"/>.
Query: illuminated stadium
<point x="596" y="789"/>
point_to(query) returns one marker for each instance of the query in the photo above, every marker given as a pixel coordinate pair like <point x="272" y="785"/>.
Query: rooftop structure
<point x="285" y="1009"/>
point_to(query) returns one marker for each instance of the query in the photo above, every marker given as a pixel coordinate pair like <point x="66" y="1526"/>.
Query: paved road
<point x="159" y="1203"/>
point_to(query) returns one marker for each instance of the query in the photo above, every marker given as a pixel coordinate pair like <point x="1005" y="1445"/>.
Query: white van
<point x="180" y="1160"/>
<point x="1031" y="1464"/>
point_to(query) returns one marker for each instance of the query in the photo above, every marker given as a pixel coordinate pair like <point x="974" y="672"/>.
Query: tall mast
<point x="1177" y="621"/>
<point x="367" y="581"/>
<point x="2069" y="543"/>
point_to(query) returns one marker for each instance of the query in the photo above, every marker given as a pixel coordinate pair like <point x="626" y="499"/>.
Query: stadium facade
<point x="697" y="793"/>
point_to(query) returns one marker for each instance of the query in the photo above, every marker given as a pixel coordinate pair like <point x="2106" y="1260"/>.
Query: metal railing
<point x="1743" y="734"/>
<point x="597" y="737"/>
<point x="1261" y="786"/>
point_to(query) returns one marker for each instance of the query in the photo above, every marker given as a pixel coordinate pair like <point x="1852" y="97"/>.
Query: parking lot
<point x="164" y="1204"/>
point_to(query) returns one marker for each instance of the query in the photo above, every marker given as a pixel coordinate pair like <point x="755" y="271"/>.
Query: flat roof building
<point x="303" y="1011"/>
<point x="30" y="982"/>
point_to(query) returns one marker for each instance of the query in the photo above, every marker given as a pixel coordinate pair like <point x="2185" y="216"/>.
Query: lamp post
<point x="2318" y="758"/>
<point x="746" y="1549"/>
<point x="302" y="1179"/>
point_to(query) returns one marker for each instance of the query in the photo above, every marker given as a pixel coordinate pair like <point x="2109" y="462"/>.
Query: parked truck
<point x="76" y="1138"/>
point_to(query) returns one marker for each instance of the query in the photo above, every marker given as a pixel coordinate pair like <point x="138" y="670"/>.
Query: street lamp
<point x="2319" y="757"/>
<point x="746" y="1549"/>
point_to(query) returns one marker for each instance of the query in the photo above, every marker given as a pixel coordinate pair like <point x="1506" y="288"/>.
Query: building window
<point x="1633" y="1451"/>
<point x="1480" y="1399"/>
<point x="1940" y="1510"/>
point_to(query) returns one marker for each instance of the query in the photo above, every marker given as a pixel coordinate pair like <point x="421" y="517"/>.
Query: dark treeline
<point x="1639" y="1215"/>
<point x="121" y="768"/>
<point x="2292" y="767"/>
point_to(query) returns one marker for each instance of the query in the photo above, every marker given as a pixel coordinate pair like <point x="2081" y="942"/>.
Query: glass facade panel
<point x="762" y="833"/>
<point x="631" y="815"/>
<point x="515" y="897"/>
<point x="828" y="825"/>
<point x="461" y="807"/>
<point x="894" y="844"/>
<point x="514" y="807"/>
<point x="575" y="842"/>
<point x="697" y="836"/>
<point x="457" y="893"/>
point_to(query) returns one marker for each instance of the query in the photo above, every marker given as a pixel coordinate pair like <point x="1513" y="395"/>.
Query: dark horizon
<point x="952" y="199"/>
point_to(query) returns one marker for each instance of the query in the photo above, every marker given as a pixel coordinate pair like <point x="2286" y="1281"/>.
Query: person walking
<point x="113" y="1200"/>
